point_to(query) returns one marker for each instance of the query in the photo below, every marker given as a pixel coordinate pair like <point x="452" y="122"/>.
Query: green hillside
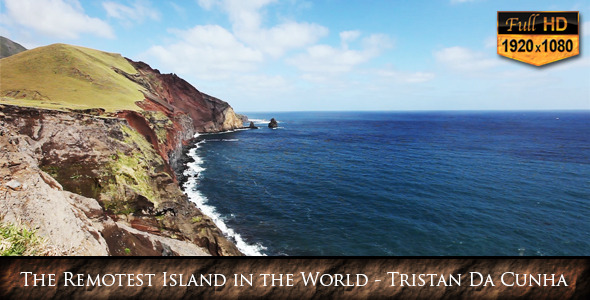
<point x="61" y="76"/>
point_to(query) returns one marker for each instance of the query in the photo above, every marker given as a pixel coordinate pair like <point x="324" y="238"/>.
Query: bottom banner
<point x="295" y="278"/>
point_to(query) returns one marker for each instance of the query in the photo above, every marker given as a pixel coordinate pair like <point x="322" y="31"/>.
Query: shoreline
<point x="189" y="182"/>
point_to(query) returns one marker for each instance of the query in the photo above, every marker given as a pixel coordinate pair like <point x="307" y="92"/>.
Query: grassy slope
<point x="61" y="76"/>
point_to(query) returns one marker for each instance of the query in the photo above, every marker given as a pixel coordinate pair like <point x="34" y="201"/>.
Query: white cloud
<point x="491" y="42"/>
<point x="207" y="52"/>
<point x="406" y="77"/>
<point x="214" y="52"/>
<point x="245" y="13"/>
<point x="207" y="4"/>
<point x="211" y="52"/>
<point x="418" y="77"/>
<point x="246" y="19"/>
<point x="585" y="28"/>
<point x="330" y="60"/>
<point x="349" y="36"/>
<point x="137" y="12"/>
<point x="277" y="40"/>
<point x="465" y="60"/>
<point x="256" y="84"/>
<point x="58" y="18"/>
<point x="327" y="59"/>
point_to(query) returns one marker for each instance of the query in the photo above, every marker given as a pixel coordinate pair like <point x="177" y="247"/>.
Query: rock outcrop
<point x="252" y="126"/>
<point x="169" y="98"/>
<point x="9" y="48"/>
<point x="273" y="123"/>
<point x="94" y="186"/>
<point x="244" y="118"/>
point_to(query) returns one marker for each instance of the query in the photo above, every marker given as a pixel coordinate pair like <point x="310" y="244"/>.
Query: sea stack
<point x="252" y="126"/>
<point x="273" y="123"/>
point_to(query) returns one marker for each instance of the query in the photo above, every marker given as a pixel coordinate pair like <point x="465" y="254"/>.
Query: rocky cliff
<point x="190" y="111"/>
<point x="99" y="180"/>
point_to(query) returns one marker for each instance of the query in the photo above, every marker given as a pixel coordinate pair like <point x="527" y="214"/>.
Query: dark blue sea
<point x="400" y="183"/>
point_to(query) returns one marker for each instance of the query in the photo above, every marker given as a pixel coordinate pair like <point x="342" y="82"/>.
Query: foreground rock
<point x="273" y="123"/>
<point x="14" y="184"/>
<point x="92" y="185"/>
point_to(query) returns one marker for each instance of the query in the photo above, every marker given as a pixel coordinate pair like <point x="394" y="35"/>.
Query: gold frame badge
<point x="538" y="37"/>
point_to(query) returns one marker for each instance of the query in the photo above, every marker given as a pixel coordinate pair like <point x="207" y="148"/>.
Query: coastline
<point x="334" y="177"/>
<point x="189" y="182"/>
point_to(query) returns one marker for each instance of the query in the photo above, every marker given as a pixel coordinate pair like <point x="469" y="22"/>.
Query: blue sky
<point x="291" y="55"/>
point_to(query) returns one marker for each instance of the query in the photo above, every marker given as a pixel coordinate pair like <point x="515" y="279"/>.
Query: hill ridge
<point x="9" y="47"/>
<point x="68" y="77"/>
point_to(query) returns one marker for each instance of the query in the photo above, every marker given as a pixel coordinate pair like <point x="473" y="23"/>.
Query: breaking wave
<point x="259" y="121"/>
<point x="194" y="172"/>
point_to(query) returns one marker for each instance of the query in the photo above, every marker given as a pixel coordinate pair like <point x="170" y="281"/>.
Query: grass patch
<point x="18" y="240"/>
<point x="119" y="207"/>
<point x="196" y="219"/>
<point x="133" y="170"/>
<point x="53" y="171"/>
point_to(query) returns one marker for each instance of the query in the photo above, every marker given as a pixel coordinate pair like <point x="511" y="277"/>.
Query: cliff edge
<point x="91" y="139"/>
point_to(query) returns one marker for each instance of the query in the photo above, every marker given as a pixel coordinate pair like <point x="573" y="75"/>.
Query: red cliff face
<point x="170" y="97"/>
<point x="174" y="96"/>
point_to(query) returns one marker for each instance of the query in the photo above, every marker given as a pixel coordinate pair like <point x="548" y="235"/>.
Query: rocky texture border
<point x="379" y="284"/>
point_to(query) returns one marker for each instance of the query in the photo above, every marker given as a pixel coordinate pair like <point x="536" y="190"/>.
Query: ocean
<point x="400" y="183"/>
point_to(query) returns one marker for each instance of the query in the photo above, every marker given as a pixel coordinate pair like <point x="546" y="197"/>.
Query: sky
<point x="334" y="55"/>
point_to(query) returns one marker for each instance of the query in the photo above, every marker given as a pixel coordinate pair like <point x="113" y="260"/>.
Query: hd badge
<point x="538" y="37"/>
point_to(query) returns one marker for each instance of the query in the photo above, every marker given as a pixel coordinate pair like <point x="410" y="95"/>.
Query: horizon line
<point x="427" y="110"/>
